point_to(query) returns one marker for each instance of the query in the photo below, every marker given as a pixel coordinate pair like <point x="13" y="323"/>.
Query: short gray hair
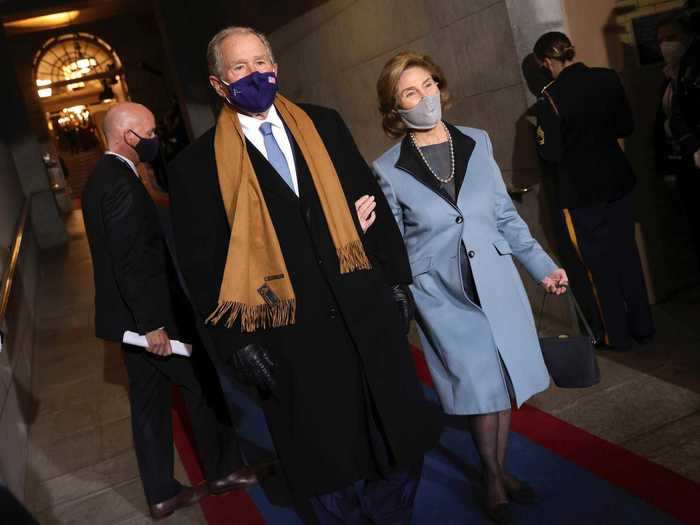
<point x="214" y="51"/>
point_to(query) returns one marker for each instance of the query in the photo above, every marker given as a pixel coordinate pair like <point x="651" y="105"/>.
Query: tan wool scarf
<point x="256" y="285"/>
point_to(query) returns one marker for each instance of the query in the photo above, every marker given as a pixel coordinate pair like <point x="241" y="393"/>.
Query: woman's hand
<point x="556" y="282"/>
<point x="365" y="211"/>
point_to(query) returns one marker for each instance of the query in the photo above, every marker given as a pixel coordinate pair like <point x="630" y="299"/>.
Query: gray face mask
<point x="424" y="115"/>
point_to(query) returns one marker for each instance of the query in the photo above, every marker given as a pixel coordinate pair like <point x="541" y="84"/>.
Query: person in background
<point x="462" y="232"/>
<point x="682" y="46"/>
<point x="581" y="114"/>
<point x="136" y="290"/>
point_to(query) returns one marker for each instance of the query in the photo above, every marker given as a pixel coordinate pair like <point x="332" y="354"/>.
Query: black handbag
<point x="571" y="359"/>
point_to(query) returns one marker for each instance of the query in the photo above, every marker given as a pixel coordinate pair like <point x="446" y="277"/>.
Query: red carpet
<point x="653" y="483"/>
<point x="235" y="507"/>
<point x="650" y="482"/>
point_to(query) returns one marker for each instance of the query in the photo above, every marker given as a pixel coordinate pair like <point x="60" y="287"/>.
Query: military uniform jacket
<point x="580" y="117"/>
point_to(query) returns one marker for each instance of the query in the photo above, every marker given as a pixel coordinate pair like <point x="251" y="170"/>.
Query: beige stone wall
<point x="586" y="22"/>
<point x="333" y="55"/>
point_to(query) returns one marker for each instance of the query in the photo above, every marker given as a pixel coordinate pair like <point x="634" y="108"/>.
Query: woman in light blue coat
<point x="461" y="232"/>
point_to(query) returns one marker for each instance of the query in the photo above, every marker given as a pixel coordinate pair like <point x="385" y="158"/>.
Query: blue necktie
<point x="275" y="155"/>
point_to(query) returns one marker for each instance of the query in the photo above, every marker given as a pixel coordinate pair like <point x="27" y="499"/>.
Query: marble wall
<point x="16" y="356"/>
<point x="17" y="406"/>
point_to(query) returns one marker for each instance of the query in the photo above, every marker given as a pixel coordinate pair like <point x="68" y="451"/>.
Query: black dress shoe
<point x="239" y="479"/>
<point x="524" y="494"/>
<point x="501" y="514"/>
<point x="242" y="478"/>
<point x="187" y="496"/>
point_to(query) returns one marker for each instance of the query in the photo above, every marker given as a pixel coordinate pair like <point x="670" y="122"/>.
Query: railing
<point x="9" y="273"/>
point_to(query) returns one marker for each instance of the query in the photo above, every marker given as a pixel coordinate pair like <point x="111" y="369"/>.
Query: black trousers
<point x="604" y="237"/>
<point x="387" y="500"/>
<point x="150" y="393"/>
<point x="579" y="282"/>
<point x="689" y="189"/>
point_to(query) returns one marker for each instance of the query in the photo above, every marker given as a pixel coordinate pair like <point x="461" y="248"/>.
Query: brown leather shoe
<point x="242" y="478"/>
<point x="186" y="496"/>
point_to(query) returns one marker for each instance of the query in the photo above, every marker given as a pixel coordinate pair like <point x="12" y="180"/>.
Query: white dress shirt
<point x="251" y="130"/>
<point x="130" y="164"/>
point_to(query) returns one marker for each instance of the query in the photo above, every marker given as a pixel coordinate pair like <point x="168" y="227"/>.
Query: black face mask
<point x="145" y="148"/>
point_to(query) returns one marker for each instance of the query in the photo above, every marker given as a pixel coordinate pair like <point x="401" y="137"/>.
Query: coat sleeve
<point x="513" y="228"/>
<point x="390" y="196"/>
<point x="622" y="113"/>
<point x="383" y="239"/>
<point x="548" y="129"/>
<point x="138" y="257"/>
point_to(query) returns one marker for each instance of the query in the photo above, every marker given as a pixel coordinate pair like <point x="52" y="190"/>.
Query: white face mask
<point x="672" y="52"/>
<point x="424" y="115"/>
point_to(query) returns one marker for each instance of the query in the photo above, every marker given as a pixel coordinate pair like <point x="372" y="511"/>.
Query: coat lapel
<point x="268" y="177"/>
<point x="463" y="147"/>
<point x="411" y="162"/>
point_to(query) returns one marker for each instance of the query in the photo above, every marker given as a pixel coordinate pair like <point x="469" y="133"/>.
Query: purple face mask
<point x="254" y="93"/>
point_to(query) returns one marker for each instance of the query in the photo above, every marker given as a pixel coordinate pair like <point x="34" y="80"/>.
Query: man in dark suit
<point x="581" y="115"/>
<point x="136" y="290"/>
<point x="324" y="344"/>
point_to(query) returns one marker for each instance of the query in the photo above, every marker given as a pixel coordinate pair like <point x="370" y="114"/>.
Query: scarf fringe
<point x="352" y="257"/>
<point x="255" y="317"/>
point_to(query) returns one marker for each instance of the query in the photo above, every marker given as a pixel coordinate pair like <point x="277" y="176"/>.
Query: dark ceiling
<point x="265" y="15"/>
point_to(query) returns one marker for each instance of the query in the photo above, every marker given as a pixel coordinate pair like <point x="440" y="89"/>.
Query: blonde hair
<point x="389" y="79"/>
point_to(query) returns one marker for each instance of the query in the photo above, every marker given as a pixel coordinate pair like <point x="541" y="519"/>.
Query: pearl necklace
<point x="427" y="164"/>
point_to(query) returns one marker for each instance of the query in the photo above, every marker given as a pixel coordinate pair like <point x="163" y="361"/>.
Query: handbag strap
<point x="579" y="313"/>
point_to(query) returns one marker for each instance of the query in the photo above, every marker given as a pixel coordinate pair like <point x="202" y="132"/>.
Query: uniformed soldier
<point x="537" y="79"/>
<point x="581" y="114"/>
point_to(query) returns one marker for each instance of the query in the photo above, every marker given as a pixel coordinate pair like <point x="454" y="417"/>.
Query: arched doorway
<point x="78" y="77"/>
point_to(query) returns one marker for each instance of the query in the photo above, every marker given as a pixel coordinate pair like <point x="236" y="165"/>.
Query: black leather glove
<point x="407" y="306"/>
<point x="254" y="366"/>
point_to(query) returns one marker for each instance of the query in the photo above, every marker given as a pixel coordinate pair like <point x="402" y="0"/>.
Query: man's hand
<point x="556" y="282"/>
<point x="159" y="342"/>
<point x="253" y="366"/>
<point x="407" y="306"/>
<point x="696" y="159"/>
<point x="365" y="211"/>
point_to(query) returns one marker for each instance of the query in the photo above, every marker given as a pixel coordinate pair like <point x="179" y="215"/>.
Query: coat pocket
<point x="502" y="247"/>
<point x="422" y="265"/>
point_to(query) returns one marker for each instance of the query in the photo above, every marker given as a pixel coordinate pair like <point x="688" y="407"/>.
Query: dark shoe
<point x="187" y="496"/>
<point x="242" y="478"/>
<point x="524" y="494"/>
<point x="501" y="514"/>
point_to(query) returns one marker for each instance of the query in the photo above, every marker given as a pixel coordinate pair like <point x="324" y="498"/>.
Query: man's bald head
<point x="124" y="123"/>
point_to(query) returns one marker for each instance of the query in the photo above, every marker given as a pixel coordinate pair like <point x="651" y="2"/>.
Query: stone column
<point x="528" y="20"/>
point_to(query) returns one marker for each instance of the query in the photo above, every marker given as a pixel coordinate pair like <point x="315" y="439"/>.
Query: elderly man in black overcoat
<point x="321" y="332"/>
